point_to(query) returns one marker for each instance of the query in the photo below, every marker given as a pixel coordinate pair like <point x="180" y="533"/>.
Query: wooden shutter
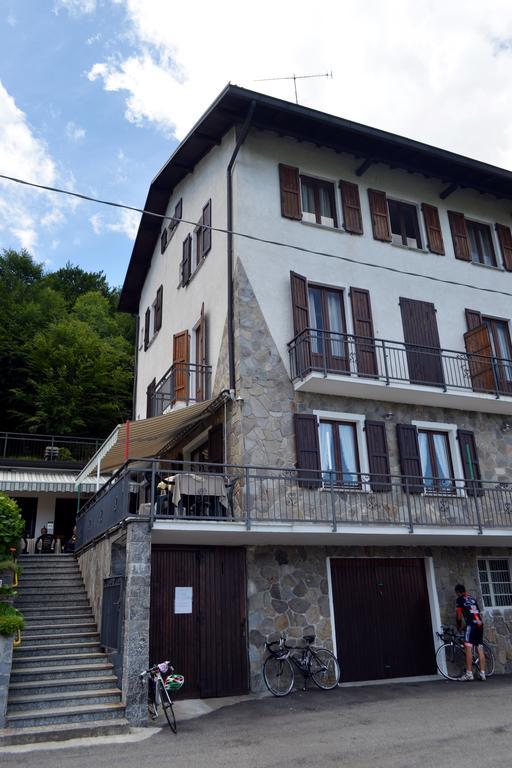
<point x="459" y="236"/>
<point x="150" y="395"/>
<point x="158" y="308"/>
<point x="470" y="463"/>
<point x="433" y="227"/>
<point x="216" y="447"/>
<point x="378" y="455"/>
<point x="422" y="342"/>
<point x="186" y="262"/>
<point x="505" y="240"/>
<point x="307" y="448"/>
<point x="163" y="240"/>
<point x="473" y="318"/>
<point x="147" y="324"/>
<point x="480" y="359"/>
<point x="351" y="204"/>
<point x="178" y="212"/>
<point x="201" y="384"/>
<point x="379" y="214"/>
<point x="363" y="327"/>
<point x="206" y="239"/>
<point x="410" y="462"/>
<point x="290" y="192"/>
<point x="300" y="308"/>
<point x="180" y="365"/>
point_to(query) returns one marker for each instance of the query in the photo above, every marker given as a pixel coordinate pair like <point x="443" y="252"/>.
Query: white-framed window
<point x="481" y="243"/>
<point x="440" y="459"/>
<point x="343" y="451"/>
<point x="404" y="224"/>
<point x="495" y="581"/>
<point x="318" y="201"/>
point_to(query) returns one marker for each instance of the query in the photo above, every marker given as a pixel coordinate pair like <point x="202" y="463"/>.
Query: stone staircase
<point x="62" y="684"/>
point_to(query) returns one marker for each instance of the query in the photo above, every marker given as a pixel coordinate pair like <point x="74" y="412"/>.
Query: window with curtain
<point x="339" y="455"/>
<point x="480" y="243"/>
<point x="436" y="462"/>
<point x="327" y="323"/>
<point x="318" y="202"/>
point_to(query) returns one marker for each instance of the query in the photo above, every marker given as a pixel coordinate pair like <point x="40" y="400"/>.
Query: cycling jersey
<point x="467" y="607"/>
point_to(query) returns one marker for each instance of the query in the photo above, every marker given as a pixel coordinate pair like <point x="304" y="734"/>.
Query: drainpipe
<point x="231" y="337"/>
<point x="135" y="366"/>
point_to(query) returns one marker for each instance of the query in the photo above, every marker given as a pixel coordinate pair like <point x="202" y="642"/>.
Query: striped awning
<point x="23" y="480"/>
<point x="143" y="438"/>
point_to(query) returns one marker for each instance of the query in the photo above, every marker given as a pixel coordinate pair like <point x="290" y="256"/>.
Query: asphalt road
<point x="441" y="724"/>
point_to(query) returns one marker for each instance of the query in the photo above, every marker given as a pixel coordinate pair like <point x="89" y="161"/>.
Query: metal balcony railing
<point x="182" y="383"/>
<point x="397" y="362"/>
<point x="62" y="448"/>
<point x="269" y="495"/>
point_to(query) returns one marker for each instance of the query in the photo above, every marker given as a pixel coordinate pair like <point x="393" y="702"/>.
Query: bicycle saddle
<point x="309" y="638"/>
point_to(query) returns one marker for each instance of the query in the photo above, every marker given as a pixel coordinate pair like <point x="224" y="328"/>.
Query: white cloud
<point x="127" y="224"/>
<point x="74" y="132"/>
<point x="93" y="39"/>
<point x="75" y="7"/>
<point x="11" y="20"/>
<point x="431" y="70"/>
<point x="53" y="218"/>
<point x="96" y="222"/>
<point x="26" y="236"/>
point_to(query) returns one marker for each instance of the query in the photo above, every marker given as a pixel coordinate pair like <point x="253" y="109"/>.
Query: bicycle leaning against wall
<point x="451" y="655"/>
<point x="280" y="666"/>
<point x="162" y="682"/>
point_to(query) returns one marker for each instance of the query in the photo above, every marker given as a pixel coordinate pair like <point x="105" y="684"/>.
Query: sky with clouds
<point x="96" y="94"/>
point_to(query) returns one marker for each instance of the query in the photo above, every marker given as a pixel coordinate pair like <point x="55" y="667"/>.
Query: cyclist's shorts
<point x="474" y="634"/>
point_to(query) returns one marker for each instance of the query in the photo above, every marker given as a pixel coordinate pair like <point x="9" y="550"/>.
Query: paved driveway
<point x="438" y="724"/>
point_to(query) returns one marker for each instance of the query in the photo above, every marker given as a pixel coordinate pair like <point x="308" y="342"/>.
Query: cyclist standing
<point x="467" y="609"/>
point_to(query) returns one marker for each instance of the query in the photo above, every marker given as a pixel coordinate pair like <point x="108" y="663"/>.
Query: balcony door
<point x="328" y="330"/>
<point x="499" y="337"/>
<point x="422" y="345"/>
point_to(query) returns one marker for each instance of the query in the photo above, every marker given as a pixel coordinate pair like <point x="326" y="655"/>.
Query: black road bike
<point x="283" y="661"/>
<point x="451" y="655"/>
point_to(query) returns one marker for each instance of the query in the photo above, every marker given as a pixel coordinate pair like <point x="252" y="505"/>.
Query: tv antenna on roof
<point x="294" y="78"/>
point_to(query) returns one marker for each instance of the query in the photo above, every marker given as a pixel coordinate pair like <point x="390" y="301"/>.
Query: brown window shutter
<point x="433" y="227"/>
<point x="470" y="462"/>
<point x="410" y="462"/>
<point x="459" y="236"/>
<point x="150" y="396"/>
<point x="216" y="447"/>
<point x="300" y="308"/>
<point x="505" y="239"/>
<point x="290" y="192"/>
<point x="473" y="318"/>
<point x="421" y="337"/>
<point x="163" y="240"/>
<point x="158" y="308"/>
<point x="378" y="456"/>
<point x="307" y="448"/>
<point x="178" y="212"/>
<point x="206" y="240"/>
<point x="147" y="324"/>
<point x="186" y="262"/>
<point x="379" y="213"/>
<point x="201" y="383"/>
<point x="180" y="366"/>
<point x="351" y="204"/>
<point x="478" y="347"/>
<point x="363" y="327"/>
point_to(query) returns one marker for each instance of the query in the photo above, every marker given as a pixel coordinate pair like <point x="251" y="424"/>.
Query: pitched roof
<point x="294" y="120"/>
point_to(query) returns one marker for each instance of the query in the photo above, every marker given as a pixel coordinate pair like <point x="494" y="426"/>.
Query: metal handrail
<point x="168" y="390"/>
<point x="39" y="446"/>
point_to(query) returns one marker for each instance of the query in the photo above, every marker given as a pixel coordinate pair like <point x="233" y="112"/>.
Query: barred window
<point x="495" y="582"/>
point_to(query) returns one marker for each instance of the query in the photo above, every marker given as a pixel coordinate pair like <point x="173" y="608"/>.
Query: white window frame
<point x="421" y="224"/>
<point x="494" y="240"/>
<point x="491" y="585"/>
<point x="458" y="470"/>
<point x="325" y="180"/>
<point x="359" y="420"/>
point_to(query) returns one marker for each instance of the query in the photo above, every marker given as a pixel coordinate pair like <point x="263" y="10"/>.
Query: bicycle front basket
<point x="174" y="682"/>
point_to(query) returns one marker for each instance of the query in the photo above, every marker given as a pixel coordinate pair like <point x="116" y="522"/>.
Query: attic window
<point x="405" y="229"/>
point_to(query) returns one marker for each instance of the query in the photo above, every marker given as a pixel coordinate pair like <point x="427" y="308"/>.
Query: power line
<point x="255" y="238"/>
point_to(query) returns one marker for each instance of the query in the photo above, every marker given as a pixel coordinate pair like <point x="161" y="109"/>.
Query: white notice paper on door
<point x="183" y="600"/>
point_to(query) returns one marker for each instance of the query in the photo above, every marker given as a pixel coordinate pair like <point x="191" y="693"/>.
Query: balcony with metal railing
<point x="181" y="384"/>
<point x="27" y="448"/>
<point x="206" y="503"/>
<point x="345" y="364"/>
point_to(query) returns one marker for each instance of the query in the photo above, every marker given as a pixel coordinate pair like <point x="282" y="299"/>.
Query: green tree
<point x="72" y="282"/>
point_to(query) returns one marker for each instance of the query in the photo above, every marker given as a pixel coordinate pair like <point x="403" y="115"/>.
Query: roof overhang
<point x="144" y="438"/>
<point x="305" y="124"/>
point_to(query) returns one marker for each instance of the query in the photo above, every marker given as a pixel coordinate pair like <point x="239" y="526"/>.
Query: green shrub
<point x="11" y="620"/>
<point x="12" y="525"/>
<point x="65" y="454"/>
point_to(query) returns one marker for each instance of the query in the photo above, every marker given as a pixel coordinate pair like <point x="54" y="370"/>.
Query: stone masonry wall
<point x="95" y="565"/>
<point x="288" y="592"/>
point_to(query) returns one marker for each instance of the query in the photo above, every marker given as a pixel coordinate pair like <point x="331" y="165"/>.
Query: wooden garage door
<point x="382" y="618"/>
<point x="207" y="645"/>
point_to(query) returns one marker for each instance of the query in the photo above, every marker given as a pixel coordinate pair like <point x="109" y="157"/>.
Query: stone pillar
<point x="136" y="619"/>
<point x="5" y="674"/>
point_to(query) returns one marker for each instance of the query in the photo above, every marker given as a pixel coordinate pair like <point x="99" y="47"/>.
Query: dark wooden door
<point x="208" y="646"/>
<point x="422" y="342"/>
<point x="382" y="618"/>
<point x="65" y="518"/>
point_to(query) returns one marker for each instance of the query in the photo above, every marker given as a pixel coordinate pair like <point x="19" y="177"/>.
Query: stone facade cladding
<point x="288" y="591"/>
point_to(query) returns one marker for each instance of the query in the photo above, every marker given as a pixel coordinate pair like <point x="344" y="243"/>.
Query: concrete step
<point x="41" y="674"/>
<point x="33" y="611"/>
<point x="60" y="621"/>
<point x="46" y="637"/>
<point x="51" y="601"/>
<point x="57" y="715"/>
<point x="54" y="733"/>
<point x="39" y="629"/>
<point x="62" y="557"/>
<point x="50" y="593"/>
<point x="51" y="660"/>
<point x="70" y="698"/>
<point x="53" y="649"/>
<point x="63" y="685"/>
<point x="50" y="579"/>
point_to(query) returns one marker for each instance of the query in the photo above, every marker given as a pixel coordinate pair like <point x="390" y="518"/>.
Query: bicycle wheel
<point x="168" y="708"/>
<point x="278" y="675"/>
<point x="490" y="663"/>
<point x="152" y="707"/>
<point x="325" y="669"/>
<point x="451" y="661"/>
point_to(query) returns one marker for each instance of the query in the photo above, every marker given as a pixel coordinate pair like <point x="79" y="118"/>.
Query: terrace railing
<point x="62" y="448"/>
<point x="182" y="383"/>
<point x="271" y="495"/>
<point x="397" y="362"/>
